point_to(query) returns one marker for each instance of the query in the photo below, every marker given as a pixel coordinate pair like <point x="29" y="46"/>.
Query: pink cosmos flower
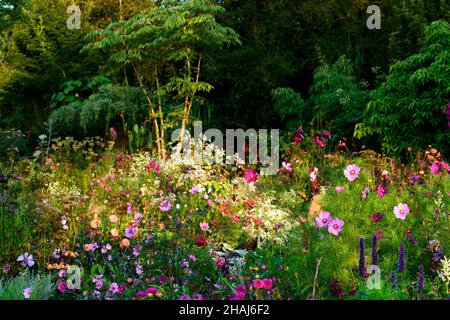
<point x="285" y="167"/>
<point x="364" y="193"/>
<point x="318" y="141"/>
<point x="194" y="190"/>
<point x="340" y="189"/>
<point x="313" y="175"/>
<point x="204" y="226"/>
<point x="251" y="176"/>
<point x="185" y="297"/>
<point x="381" y="191"/>
<point x="436" y="168"/>
<point x="165" y="205"/>
<point x="323" y="219"/>
<point x="27" y="293"/>
<point x="352" y="172"/>
<point x="61" y="286"/>
<point x="335" y="226"/>
<point x="401" y="211"/>
<point x="114" y="288"/>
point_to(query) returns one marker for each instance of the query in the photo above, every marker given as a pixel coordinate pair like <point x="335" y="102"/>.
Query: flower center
<point x="352" y="172"/>
<point x="324" y="220"/>
<point x="402" y="211"/>
<point x="336" y="226"/>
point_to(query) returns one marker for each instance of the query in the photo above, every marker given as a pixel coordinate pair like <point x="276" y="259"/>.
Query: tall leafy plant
<point x="165" y="47"/>
<point x="408" y="109"/>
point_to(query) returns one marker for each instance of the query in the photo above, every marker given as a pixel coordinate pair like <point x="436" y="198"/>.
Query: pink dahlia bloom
<point x="323" y="219"/>
<point x="335" y="226"/>
<point x="401" y="211"/>
<point x="352" y="172"/>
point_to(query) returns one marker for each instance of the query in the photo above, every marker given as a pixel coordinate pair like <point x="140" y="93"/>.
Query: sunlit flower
<point x="381" y="191"/>
<point x="113" y="218"/>
<point x="114" y="288"/>
<point x="27" y="293"/>
<point x="318" y="141"/>
<point x="436" y="168"/>
<point x="352" y="172"/>
<point x="194" y="189"/>
<point x="364" y="193"/>
<point x="323" y="219"/>
<point x="335" y="226"/>
<point x="166" y="205"/>
<point x="401" y="211"/>
<point x="126" y="242"/>
<point x="340" y="189"/>
<point x="26" y="260"/>
<point x="251" y="176"/>
<point x="114" y="232"/>
<point x="313" y="175"/>
<point x="299" y="135"/>
<point x="204" y="226"/>
<point x="130" y="231"/>
<point x="286" y="166"/>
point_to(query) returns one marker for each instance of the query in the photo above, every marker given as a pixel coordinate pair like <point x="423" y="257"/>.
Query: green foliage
<point x="290" y="107"/>
<point x="413" y="98"/>
<point x="109" y="104"/>
<point x="139" y="137"/>
<point x="338" y="100"/>
<point x="13" y="143"/>
<point x="13" y="288"/>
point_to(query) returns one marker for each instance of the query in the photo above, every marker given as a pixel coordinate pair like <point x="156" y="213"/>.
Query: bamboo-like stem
<point x="315" y="277"/>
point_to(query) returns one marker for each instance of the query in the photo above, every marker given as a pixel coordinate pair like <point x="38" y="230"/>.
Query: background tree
<point x="171" y="40"/>
<point x="408" y="109"/>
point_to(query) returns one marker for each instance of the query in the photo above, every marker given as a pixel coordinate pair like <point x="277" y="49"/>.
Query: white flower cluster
<point x="57" y="189"/>
<point x="276" y="222"/>
<point x="444" y="273"/>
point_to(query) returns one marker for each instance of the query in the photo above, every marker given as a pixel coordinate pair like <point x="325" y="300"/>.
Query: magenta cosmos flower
<point x="436" y="168"/>
<point x="335" y="226"/>
<point x="340" y="189"/>
<point x="352" y="172"/>
<point x="165" y="205"/>
<point x="251" y="176"/>
<point x="401" y="211"/>
<point x="323" y="219"/>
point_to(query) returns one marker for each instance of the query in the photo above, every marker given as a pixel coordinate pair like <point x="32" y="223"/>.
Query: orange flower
<point x="87" y="247"/>
<point x="126" y="243"/>
<point x="95" y="223"/>
<point x="114" y="232"/>
<point x="113" y="218"/>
